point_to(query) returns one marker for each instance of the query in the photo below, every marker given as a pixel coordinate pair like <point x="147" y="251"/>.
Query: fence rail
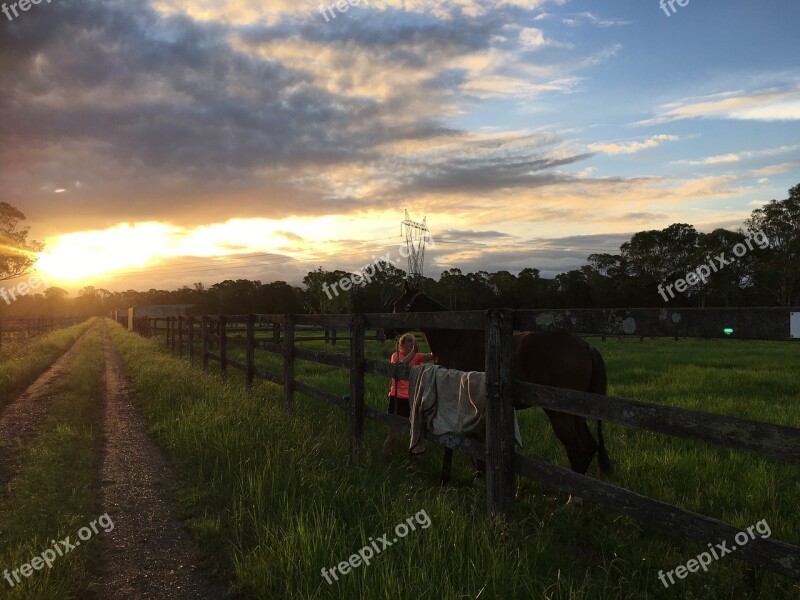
<point x="34" y="326"/>
<point x="503" y="464"/>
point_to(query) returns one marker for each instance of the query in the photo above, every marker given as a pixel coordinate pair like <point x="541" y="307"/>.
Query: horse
<point x="554" y="359"/>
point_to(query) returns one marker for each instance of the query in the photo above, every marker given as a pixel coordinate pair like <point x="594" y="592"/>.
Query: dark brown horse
<point x="555" y="359"/>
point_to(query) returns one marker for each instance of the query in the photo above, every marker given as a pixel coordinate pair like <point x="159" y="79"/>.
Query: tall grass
<point x="22" y="363"/>
<point x="52" y="496"/>
<point x="272" y="500"/>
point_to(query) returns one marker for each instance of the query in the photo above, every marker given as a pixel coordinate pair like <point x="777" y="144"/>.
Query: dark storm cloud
<point x="490" y="173"/>
<point x="171" y="93"/>
<point x="139" y="107"/>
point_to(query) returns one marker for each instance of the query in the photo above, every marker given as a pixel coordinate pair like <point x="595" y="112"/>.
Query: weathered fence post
<point x="250" y="355"/>
<point x="356" y="387"/>
<point x="191" y="339"/>
<point x="180" y="336"/>
<point x="499" y="413"/>
<point x="333" y="336"/>
<point x="167" y="332"/>
<point x="276" y="333"/>
<point x="223" y="345"/>
<point x="288" y="364"/>
<point x="204" y="334"/>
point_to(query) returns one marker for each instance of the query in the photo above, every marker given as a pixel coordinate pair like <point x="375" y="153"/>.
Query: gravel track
<point x="148" y="554"/>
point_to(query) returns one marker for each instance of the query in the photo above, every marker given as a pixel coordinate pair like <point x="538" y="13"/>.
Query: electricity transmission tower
<point x="416" y="235"/>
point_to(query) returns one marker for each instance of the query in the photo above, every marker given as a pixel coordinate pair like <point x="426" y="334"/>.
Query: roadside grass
<point x="270" y="496"/>
<point x="52" y="496"/>
<point x="22" y="362"/>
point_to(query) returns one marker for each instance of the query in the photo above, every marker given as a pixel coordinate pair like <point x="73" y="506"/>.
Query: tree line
<point x="767" y="275"/>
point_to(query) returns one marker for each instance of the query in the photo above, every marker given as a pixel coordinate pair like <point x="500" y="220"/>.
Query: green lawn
<point x="272" y="500"/>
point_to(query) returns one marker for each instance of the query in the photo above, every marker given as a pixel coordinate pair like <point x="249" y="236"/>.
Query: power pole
<point x="416" y="235"/>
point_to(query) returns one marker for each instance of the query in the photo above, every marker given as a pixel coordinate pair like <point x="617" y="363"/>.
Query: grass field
<point x="271" y="499"/>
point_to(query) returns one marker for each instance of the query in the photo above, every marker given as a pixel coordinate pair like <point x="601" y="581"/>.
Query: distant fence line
<point x="502" y="463"/>
<point x="33" y="326"/>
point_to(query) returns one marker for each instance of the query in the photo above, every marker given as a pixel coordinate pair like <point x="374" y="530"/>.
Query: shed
<point x="157" y="311"/>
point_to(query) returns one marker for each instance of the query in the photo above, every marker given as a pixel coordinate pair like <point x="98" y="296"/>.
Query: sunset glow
<point x="81" y="256"/>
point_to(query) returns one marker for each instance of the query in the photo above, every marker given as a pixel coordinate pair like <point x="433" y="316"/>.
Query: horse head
<point x="412" y="300"/>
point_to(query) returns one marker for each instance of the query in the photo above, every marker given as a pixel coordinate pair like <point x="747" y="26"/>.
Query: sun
<point x="77" y="256"/>
<point x="86" y="256"/>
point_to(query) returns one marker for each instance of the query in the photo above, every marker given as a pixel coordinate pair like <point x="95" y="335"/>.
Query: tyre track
<point x="23" y="418"/>
<point x="149" y="554"/>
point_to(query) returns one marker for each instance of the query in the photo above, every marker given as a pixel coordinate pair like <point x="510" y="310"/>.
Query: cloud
<point x="589" y="17"/>
<point x="765" y="105"/>
<point x="733" y="157"/>
<point x="778" y="169"/>
<point x="632" y="147"/>
<point x="269" y="106"/>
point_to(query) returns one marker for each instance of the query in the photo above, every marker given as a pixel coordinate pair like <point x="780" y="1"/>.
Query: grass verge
<point x="52" y="495"/>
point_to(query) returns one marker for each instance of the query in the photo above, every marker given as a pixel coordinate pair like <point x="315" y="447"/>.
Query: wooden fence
<point x="503" y="465"/>
<point x="33" y="326"/>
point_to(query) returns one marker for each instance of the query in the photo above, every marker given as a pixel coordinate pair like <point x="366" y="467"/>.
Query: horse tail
<point x="599" y="385"/>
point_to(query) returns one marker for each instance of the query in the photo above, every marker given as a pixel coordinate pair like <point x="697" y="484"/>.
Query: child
<point x="398" y="394"/>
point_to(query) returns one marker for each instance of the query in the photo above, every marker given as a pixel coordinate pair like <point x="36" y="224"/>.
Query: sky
<point x="159" y="143"/>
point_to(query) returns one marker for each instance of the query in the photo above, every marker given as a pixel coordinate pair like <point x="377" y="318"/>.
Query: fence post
<point x="276" y="333"/>
<point x="499" y="413"/>
<point x="180" y="336"/>
<point x="204" y="334"/>
<point x="167" y="332"/>
<point x="333" y="336"/>
<point x="288" y="364"/>
<point x="250" y="356"/>
<point x="191" y="339"/>
<point x="223" y="345"/>
<point x="356" y="387"/>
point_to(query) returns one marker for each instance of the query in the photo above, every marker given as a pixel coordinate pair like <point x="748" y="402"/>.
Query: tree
<point x="534" y="291"/>
<point x="574" y="290"/>
<point x="778" y="270"/>
<point x="322" y="297"/>
<point x="725" y="286"/>
<point x="17" y="254"/>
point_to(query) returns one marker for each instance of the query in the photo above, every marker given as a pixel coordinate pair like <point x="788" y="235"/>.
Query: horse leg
<point x="574" y="434"/>
<point x="447" y="467"/>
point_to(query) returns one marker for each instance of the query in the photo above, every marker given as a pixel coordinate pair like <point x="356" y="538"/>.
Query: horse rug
<point x="448" y="401"/>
